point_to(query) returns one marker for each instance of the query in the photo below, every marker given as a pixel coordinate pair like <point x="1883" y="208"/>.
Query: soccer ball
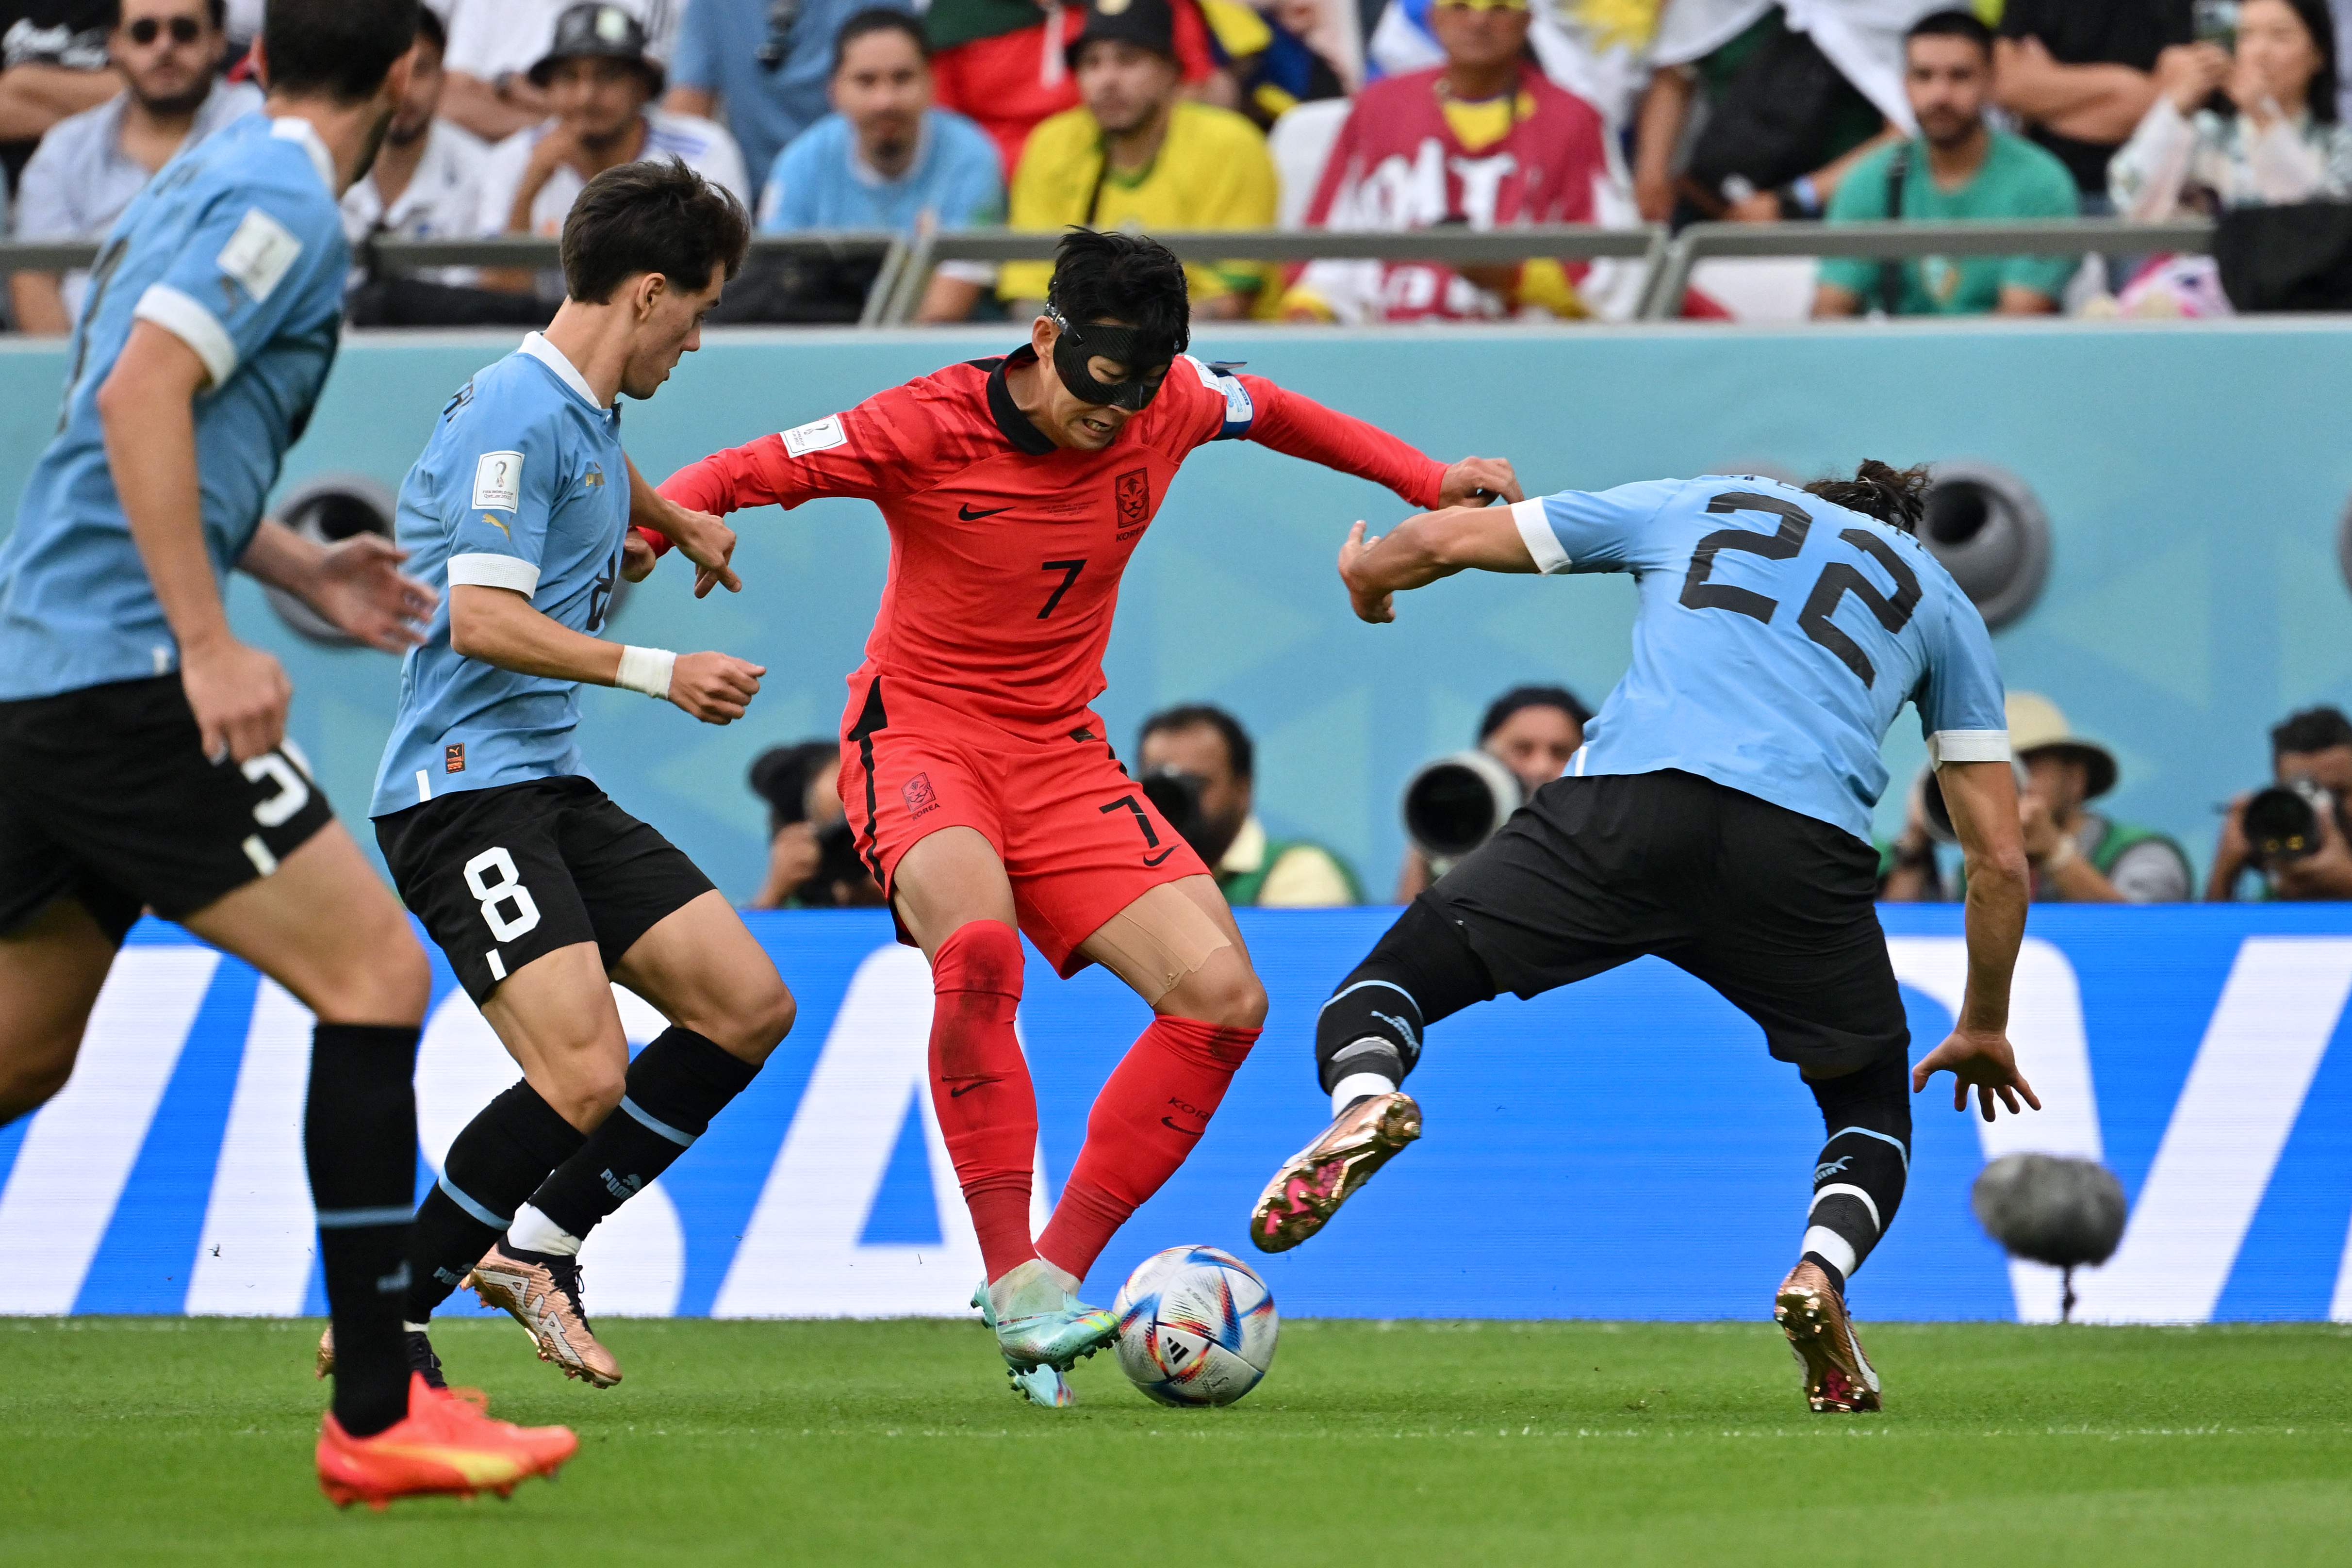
<point x="1196" y="1326"/>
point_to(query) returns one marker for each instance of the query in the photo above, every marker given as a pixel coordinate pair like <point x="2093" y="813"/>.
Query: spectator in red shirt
<point x="1483" y="140"/>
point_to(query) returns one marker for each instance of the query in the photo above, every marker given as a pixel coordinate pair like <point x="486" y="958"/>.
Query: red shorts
<point x="1078" y="839"/>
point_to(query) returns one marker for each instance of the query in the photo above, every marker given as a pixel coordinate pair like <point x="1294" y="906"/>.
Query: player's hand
<point x="714" y="688"/>
<point x="1479" y="482"/>
<point x="239" y="697"/>
<point x="1371" y="603"/>
<point x="637" y="558"/>
<point x="360" y="590"/>
<point x="709" y="543"/>
<point x="1982" y="1061"/>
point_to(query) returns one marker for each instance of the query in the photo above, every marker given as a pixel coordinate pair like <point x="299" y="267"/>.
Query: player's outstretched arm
<point x="498" y="626"/>
<point x="702" y="538"/>
<point x="1297" y="426"/>
<point x="1423" y="548"/>
<point x="238" y="693"/>
<point x="1983" y="800"/>
<point x="355" y="583"/>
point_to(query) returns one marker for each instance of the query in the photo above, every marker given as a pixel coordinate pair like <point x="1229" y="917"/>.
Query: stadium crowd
<point x="1380" y="115"/>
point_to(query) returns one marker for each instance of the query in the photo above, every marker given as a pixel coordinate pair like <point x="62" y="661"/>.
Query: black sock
<point x="1859" y="1176"/>
<point x="1423" y="969"/>
<point x="495" y="1165"/>
<point x="359" y="1140"/>
<point x="676" y="1086"/>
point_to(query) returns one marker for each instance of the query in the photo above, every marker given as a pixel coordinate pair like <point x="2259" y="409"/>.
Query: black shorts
<point x="1772" y="908"/>
<point x="106" y="795"/>
<point x="502" y="876"/>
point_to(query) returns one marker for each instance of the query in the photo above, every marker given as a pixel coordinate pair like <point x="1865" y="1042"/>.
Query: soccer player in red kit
<point x="983" y="795"/>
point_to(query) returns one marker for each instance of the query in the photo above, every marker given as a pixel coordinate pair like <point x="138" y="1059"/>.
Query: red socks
<point x="979" y="1086"/>
<point x="1145" y="1122"/>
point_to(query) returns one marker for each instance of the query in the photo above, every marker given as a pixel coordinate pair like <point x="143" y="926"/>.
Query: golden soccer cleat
<point x="543" y="1294"/>
<point x="1313" y="1183"/>
<point x="1838" y="1377"/>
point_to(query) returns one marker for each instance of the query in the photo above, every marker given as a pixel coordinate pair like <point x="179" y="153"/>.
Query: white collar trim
<point x="301" y="133"/>
<point x="537" y="346"/>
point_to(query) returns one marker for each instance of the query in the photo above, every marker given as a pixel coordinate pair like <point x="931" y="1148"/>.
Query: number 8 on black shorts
<point x="505" y="875"/>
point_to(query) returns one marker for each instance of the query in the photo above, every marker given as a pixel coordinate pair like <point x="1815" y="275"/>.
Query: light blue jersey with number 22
<point x="1777" y="637"/>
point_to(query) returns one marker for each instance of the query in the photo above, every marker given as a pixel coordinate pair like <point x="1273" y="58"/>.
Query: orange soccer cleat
<point x="446" y="1446"/>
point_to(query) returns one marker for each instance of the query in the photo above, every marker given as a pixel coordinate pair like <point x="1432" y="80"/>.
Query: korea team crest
<point x="1134" y="490"/>
<point x="919" y="794"/>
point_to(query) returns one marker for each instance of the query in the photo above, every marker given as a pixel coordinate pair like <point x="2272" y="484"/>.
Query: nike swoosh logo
<point x="1188" y="1132"/>
<point x="968" y="516"/>
<point x="1164" y="854"/>
<point x="960" y="1093"/>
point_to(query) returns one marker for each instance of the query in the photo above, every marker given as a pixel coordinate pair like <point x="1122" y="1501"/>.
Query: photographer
<point x="812" y="854"/>
<point x="1198" y="767"/>
<point x="2311" y="754"/>
<point x="2077" y="855"/>
<point x="1532" y="731"/>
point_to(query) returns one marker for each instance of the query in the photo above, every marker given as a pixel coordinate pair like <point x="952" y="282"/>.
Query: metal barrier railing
<point x="1667" y="263"/>
<point x="1896" y="241"/>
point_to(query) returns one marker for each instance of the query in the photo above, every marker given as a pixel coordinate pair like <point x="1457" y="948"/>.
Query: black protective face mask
<point x="1130" y="346"/>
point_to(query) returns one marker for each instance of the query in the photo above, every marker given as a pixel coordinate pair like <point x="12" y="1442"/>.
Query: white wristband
<point x="645" y="670"/>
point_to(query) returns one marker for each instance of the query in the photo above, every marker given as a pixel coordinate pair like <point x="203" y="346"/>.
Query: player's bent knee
<point x="1225" y="991"/>
<point x="393" y="986"/>
<point x="761" y="1024"/>
<point x="584" y="1093"/>
<point x="31" y="1074"/>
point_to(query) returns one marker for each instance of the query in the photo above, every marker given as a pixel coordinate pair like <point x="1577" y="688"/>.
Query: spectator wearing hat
<point x="886" y="158"/>
<point x="601" y="84"/>
<point x="89" y="166"/>
<point x="1004" y="63"/>
<point x="493" y="44"/>
<point x="1136" y="150"/>
<point x="1208" y="748"/>
<point x="2078" y="855"/>
<point x="2309" y="750"/>
<point x="1533" y="731"/>
<point x="762" y="68"/>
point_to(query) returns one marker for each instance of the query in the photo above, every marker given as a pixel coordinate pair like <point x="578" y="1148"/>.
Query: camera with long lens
<point x="2281" y="823"/>
<point x="1176" y="794"/>
<point x="1457" y="803"/>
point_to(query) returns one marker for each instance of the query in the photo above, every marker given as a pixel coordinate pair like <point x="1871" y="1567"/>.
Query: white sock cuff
<point x="1355" y="1085"/>
<point x="645" y="670"/>
<point x="1820" y="1238"/>
<point x="532" y="1231"/>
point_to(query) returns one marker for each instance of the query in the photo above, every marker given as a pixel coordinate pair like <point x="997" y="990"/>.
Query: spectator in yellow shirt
<point x="1137" y="152"/>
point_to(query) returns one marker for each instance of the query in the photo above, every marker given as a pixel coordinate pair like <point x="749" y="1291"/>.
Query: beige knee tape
<point x="1156" y="941"/>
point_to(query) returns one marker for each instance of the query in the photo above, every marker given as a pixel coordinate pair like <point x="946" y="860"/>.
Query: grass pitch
<point x="131" y="1441"/>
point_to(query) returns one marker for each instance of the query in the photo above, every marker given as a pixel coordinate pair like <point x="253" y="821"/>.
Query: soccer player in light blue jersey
<point x="540" y="889"/>
<point x="148" y="765"/>
<point x="1717" y="816"/>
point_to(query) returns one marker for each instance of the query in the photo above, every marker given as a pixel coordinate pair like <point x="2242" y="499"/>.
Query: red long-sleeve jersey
<point x="1005" y="550"/>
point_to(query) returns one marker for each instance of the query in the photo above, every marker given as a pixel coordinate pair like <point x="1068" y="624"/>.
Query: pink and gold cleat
<point x="1838" y="1377"/>
<point x="1313" y="1183"/>
<point x="543" y="1294"/>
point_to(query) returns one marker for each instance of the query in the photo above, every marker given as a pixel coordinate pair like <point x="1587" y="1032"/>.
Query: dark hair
<point x="341" y="49"/>
<point x="1953" y="25"/>
<point x="1104" y="276"/>
<point x="2321" y="25"/>
<point x="430" y="30"/>
<point x="651" y="217"/>
<point x="1500" y="711"/>
<point x="877" y="19"/>
<point x="1896" y="496"/>
<point x="215" y="9"/>
<point x="2319" y="728"/>
<point x="1240" y="754"/>
<point x="781" y="776"/>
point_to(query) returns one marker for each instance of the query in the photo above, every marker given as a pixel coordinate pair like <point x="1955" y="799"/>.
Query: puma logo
<point x="1831" y="1167"/>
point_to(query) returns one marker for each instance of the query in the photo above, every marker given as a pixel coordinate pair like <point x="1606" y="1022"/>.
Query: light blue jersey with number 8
<point x="1777" y="637"/>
